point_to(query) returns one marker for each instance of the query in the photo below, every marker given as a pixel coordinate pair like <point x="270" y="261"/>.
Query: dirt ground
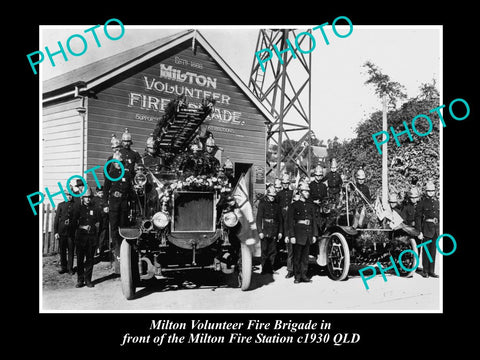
<point x="212" y="291"/>
<point x="52" y="280"/>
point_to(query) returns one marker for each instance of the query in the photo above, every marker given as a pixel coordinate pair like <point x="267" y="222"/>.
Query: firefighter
<point x="150" y="158"/>
<point x="116" y="194"/>
<point x="360" y="183"/>
<point x="228" y="171"/>
<point x="360" y="210"/>
<point x="394" y="203"/>
<point x="116" y="144"/>
<point x="103" y="234"/>
<point x="78" y="188"/>
<point x="302" y="231"/>
<point x="334" y="180"/>
<point x="270" y="228"/>
<point x="212" y="164"/>
<point x="64" y="234"/>
<point x="284" y="199"/>
<point x="427" y="216"/>
<point x="86" y="220"/>
<point x="130" y="157"/>
<point x="193" y="162"/>
<point x="408" y="209"/>
<point x="318" y="191"/>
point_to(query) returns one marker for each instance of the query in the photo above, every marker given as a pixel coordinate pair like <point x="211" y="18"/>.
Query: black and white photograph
<point x="206" y="174"/>
<point x="280" y="184"/>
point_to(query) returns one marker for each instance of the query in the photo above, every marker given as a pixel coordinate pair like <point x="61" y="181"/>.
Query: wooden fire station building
<point x="84" y="107"/>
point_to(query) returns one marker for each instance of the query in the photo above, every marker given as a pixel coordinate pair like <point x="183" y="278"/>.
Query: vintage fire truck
<point x="344" y="248"/>
<point x="182" y="220"/>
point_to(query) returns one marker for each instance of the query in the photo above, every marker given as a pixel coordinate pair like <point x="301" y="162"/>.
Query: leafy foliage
<point x="412" y="160"/>
<point x="383" y="85"/>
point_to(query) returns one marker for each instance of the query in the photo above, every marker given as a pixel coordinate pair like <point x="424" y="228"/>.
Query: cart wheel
<point x="245" y="267"/>
<point x="338" y="256"/>
<point x="128" y="270"/>
<point x="408" y="259"/>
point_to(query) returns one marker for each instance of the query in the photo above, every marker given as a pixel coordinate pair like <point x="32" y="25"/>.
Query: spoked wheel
<point x="409" y="259"/>
<point x="245" y="267"/>
<point x="128" y="270"/>
<point x="338" y="256"/>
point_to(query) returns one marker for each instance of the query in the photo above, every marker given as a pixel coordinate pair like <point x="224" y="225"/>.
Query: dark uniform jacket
<point x="86" y="216"/>
<point x="269" y="218"/>
<point x="130" y="158"/>
<point x="318" y="190"/>
<point x="408" y="214"/>
<point x="427" y="217"/>
<point x="334" y="182"/>
<point x="365" y="191"/>
<point x="212" y="164"/>
<point x="284" y="198"/>
<point x="63" y="223"/>
<point x="120" y="188"/>
<point x="100" y="202"/>
<point x="300" y="211"/>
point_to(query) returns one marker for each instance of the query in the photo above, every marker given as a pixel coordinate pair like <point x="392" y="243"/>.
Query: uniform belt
<point x="269" y="220"/>
<point x="304" y="222"/>
<point x="433" y="220"/>
<point x="85" y="227"/>
<point x="117" y="194"/>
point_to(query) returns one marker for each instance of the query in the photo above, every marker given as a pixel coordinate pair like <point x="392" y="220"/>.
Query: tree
<point x="413" y="159"/>
<point x="383" y="85"/>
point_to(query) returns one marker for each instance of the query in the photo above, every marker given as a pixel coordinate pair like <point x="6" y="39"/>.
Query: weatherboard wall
<point x="62" y="131"/>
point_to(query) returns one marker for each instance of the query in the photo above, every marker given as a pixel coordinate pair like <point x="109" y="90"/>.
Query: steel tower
<point x="285" y="89"/>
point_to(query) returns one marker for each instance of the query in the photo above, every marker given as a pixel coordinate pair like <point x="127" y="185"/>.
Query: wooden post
<point x="384" y="156"/>
<point x="44" y="233"/>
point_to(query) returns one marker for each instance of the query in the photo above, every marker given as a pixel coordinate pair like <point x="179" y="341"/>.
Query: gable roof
<point x="95" y="73"/>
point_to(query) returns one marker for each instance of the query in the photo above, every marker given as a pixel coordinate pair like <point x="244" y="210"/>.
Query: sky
<point x="410" y="55"/>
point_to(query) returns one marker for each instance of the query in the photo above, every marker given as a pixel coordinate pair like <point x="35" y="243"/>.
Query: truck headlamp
<point x="140" y="179"/>
<point x="230" y="219"/>
<point x="161" y="219"/>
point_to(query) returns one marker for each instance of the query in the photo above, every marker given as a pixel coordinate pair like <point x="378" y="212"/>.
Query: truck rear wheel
<point x="128" y="270"/>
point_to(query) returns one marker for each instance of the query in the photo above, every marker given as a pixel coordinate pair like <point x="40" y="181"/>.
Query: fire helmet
<point x="333" y="164"/>
<point x="360" y="174"/>
<point x="228" y="164"/>
<point x="271" y="191"/>
<point x="126" y="136"/>
<point x="194" y="147"/>
<point x="150" y="141"/>
<point x="285" y="179"/>
<point x="413" y="193"/>
<point x="304" y="187"/>
<point x="210" y="142"/>
<point x="430" y="186"/>
<point x="115" y="142"/>
<point x="318" y="170"/>
<point x="392" y="197"/>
